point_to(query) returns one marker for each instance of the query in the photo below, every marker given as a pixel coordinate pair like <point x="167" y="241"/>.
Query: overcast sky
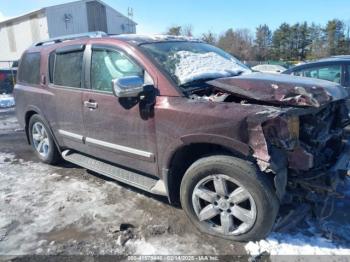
<point x="155" y="16"/>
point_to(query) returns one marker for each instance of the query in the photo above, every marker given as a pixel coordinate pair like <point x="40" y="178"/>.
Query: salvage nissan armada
<point x="181" y="118"/>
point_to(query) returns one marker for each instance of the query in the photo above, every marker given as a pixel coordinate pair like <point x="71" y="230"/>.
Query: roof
<point x="335" y="58"/>
<point x="133" y="39"/>
<point x="42" y="10"/>
<point x="143" y="39"/>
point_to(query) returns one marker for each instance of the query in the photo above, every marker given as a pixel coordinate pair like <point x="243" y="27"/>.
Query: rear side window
<point x="67" y="69"/>
<point x="330" y="73"/>
<point x="29" y="71"/>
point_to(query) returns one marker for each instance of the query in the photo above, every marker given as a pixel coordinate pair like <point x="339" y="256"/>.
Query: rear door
<point x="64" y="100"/>
<point x="117" y="130"/>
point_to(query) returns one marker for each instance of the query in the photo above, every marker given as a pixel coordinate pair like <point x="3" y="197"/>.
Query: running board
<point x="155" y="186"/>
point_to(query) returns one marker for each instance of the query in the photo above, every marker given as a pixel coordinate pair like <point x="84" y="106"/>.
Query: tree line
<point x="297" y="42"/>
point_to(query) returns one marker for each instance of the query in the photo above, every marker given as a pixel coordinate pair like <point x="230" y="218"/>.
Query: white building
<point x="18" y="33"/>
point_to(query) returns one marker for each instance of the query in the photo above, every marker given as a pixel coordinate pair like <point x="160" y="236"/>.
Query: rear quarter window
<point x="29" y="70"/>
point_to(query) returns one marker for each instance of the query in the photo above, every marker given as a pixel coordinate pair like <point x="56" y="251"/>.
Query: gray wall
<point x="85" y="16"/>
<point x="67" y="19"/>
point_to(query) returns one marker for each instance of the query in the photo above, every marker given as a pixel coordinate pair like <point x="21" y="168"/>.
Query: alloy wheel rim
<point x="223" y="205"/>
<point x="40" y="139"/>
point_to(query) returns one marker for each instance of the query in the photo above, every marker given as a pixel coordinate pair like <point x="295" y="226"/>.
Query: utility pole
<point x="130" y="18"/>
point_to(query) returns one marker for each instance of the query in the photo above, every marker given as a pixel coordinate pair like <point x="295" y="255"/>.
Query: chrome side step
<point x="155" y="186"/>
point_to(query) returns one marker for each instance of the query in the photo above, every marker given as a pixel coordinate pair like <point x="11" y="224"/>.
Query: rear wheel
<point x="229" y="198"/>
<point x="42" y="141"/>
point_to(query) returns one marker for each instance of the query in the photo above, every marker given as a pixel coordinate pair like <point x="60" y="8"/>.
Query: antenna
<point x="130" y="18"/>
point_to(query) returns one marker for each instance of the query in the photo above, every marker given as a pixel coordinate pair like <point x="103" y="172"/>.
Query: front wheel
<point x="229" y="198"/>
<point x="42" y="141"/>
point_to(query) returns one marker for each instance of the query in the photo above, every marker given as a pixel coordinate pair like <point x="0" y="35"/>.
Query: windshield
<point x="187" y="62"/>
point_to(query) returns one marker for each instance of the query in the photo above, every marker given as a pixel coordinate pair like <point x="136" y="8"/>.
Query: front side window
<point x="68" y="68"/>
<point x="29" y="71"/>
<point x="107" y="65"/>
<point x="330" y="73"/>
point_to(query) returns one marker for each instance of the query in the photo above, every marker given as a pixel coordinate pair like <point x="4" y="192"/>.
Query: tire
<point x="49" y="153"/>
<point x="253" y="192"/>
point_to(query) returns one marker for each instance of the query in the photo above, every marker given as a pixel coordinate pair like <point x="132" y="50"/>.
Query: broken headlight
<point x="283" y="132"/>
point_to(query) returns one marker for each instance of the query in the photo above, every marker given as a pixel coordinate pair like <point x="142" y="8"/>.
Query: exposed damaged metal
<point x="281" y="89"/>
<point x="297" y="136"/>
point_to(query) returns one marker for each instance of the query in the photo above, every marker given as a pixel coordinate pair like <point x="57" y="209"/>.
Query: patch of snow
<point x="53" y="210"/>
<point x="310" y="241"/>
<point x="299" y="244"/>
<point x="179" y="245"/>
<point x="190" y="66"/>
<point x="159" y="37"/>
<point x="8" y="120"/>
<point x="6" y="101"/>
<point x="30" y="196"/>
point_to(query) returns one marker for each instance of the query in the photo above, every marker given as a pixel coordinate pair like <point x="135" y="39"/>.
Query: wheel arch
<point x="185" y="155"/>
<point x="29" y="114"/>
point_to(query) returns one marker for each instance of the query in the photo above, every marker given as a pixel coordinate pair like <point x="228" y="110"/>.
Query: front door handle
<point x="91" y="104"/>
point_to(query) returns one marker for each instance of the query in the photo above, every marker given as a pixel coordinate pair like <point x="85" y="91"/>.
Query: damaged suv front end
<point x="289" y="129"/>
<point x="300" y="139"/>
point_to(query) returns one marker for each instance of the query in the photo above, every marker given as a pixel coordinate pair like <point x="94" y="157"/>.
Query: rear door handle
<point x="91" y="104"/>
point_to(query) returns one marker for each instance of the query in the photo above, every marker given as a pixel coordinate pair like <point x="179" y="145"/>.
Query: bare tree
<point x="238" y="42"/>
<point x="209" y="38"/>
<point x="187" y="30"/>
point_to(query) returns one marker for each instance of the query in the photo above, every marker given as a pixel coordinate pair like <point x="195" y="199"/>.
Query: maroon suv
<point x="181" y="118"/>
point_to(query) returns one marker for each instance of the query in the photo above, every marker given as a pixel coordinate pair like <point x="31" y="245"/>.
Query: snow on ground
<point x="48" y="210"/>
<point x="6" y="101"/>
<point x="190" y="66"/>
<point x="310" y="241"/>
<point x="8" y="120"/>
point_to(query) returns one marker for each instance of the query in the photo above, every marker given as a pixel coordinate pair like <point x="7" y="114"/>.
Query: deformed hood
<point x="282" y="89"/>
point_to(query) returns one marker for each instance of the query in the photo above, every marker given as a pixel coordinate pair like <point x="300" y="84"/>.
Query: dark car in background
<point x="335" y="69"/>
<point x="7" y="80"/>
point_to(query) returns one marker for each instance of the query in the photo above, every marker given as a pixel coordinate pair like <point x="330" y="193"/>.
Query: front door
<point x="116" y="130"/>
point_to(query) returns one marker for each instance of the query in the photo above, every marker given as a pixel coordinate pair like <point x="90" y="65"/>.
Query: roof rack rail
<point x="71" y="37"/>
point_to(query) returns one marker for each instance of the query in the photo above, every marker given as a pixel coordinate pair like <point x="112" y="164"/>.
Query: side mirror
<point x="129" y="86"/>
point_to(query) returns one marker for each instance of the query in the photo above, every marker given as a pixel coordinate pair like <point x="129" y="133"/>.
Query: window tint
<point x="29" y="71"/>
<point x="107" y="65"/>
<point x="331" y="73"/>
<point x="68" y="68"/>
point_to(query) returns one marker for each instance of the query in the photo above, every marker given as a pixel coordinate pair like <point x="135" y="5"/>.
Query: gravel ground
<point x="67" y="210"/>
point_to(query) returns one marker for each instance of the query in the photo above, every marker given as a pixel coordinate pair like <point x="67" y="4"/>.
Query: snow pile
<point x="299" y="244"/>
<point x="309" y="241"/>
<point x="6" y="101"/>
<point x="191" y="66"/>
<point x="55" y="210"/>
